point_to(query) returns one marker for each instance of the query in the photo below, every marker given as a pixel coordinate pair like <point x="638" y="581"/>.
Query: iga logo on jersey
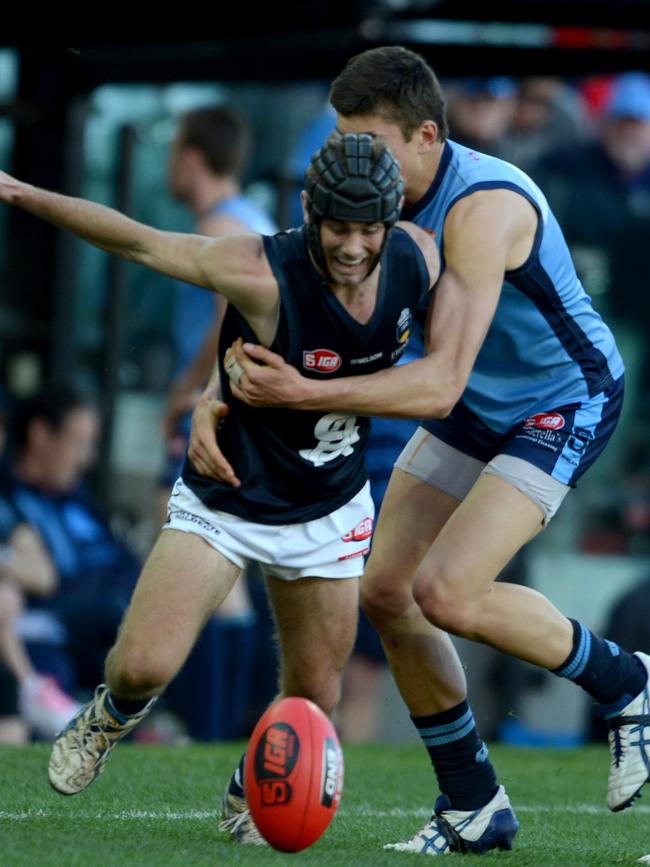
<point x="321" y="360"/>
<point x="362" y="531"/>
<point x="545" y="421"/>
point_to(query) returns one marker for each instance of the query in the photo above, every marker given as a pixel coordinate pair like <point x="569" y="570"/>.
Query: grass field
<point x="159" y="806"/>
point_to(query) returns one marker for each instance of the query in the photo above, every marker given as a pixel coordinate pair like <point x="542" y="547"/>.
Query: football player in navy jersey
<point x="337" y="296"/>
<point x="520" y="389"/>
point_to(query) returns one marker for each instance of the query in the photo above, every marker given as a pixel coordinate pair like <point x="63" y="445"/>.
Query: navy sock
<point x="459" y="757"/>
<point x="123" y="708"/>
<point x="612" y="676"/>
<point x="236" y="785"/>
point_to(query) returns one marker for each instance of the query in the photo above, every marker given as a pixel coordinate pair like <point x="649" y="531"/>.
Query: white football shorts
<point x="330" y="547"/>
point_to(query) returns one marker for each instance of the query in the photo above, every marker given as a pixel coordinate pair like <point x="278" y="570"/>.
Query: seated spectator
<point x="53" y="438"/>
<point x="520" y="123"/>
<point x="29" y="702"/>
<point x="549" y="114"/>
<point x="600" y="193"/>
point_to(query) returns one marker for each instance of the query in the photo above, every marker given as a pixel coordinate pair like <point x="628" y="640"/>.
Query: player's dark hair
<point x="221" y="134"/>
<point x="396" y="84"/>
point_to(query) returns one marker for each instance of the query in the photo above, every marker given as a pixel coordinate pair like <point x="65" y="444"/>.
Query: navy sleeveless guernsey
<point x="296" y="466"/>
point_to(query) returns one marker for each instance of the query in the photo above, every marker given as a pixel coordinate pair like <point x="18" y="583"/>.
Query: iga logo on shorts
<point x="545" y="421"/>
<point x="321" y="360"/>
<point x="362" y="531"/>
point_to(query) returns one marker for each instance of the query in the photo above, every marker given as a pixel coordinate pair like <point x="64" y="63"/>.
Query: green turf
<point x="158" y="806"/>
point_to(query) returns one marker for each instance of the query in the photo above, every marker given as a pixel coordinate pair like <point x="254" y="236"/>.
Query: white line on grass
<point x="400" y="813"/>
<point x="191" y="815"/>
<point x="124" y="815"/>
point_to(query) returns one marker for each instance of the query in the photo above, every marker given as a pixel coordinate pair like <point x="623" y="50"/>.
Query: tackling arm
<point x="485" y="235"/>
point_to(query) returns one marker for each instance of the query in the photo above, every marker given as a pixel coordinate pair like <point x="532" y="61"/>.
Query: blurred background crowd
<point x="100" y="363"/>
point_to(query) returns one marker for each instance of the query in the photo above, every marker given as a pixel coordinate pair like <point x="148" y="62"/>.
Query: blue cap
<point x="630" y="96"/>
<point x="497" y="86"/>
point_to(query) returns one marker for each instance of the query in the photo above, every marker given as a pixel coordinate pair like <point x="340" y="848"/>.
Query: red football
<point x="293" y="775"/>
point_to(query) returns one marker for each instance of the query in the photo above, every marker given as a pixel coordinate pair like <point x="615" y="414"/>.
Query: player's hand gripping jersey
<point x="297" y="466"/>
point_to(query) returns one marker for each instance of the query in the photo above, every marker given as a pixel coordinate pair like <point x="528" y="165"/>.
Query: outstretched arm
<point x="235" y="266"/>
<point x="485" y="235"/>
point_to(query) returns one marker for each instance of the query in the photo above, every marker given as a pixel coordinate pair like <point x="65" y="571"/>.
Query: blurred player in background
<point x="208" y="157"/>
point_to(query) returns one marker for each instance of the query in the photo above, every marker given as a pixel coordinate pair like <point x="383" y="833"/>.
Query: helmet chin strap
<point x="316" y="249"/>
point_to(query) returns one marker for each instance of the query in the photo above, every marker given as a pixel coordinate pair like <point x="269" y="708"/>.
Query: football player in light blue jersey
<point x="521" y="388"/>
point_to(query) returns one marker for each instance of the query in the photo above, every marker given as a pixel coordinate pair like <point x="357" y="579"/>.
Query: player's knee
<point x="135" y="672"/>
<point x="442" y="604"/>
<point x="383" y="603"/>
<point x="328" y="697"/>
<point x="323" y="688"/>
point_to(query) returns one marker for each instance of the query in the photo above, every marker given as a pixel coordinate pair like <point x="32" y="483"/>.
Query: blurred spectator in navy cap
<point x="494" y="87"/>
<point x="630" y="96"/>
<point x="626" y="126"/>
<point x="481" y="111"/>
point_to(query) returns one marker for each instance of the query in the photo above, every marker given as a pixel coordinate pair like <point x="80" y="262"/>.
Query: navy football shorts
<point x="562" y="441"/>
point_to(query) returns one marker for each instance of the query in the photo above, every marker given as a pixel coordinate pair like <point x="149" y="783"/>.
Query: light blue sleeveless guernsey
<point x="547" y="346"/>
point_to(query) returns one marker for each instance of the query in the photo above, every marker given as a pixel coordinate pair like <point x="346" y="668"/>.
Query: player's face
<point x="407" y="153"/>
<point x="351" y="249"/>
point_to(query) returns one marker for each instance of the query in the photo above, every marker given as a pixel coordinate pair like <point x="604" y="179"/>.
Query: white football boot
<point x="629" y="747"/>
<point x="81" y="749"/>
<point x="490" y="827"/>
<point x="237" y="821"/>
